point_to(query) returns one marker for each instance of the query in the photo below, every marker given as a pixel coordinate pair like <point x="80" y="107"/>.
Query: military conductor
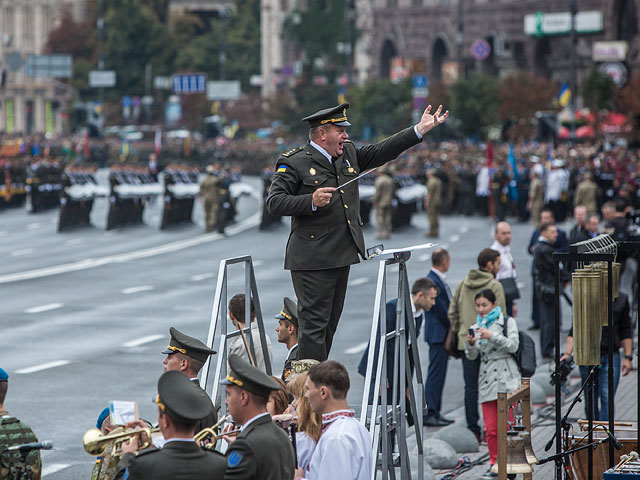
<point x="326" y="228"/>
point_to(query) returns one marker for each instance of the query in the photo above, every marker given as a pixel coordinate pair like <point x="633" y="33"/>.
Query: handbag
<point x="510" y="288"/>
<point x="451" y="343"/>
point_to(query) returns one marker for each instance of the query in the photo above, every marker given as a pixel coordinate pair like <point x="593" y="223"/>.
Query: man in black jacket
<point x="326" y="229"/>
<point x="544" y="271"/>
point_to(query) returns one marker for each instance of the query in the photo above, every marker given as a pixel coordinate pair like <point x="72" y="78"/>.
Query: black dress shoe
<point x="446" y="420"/>
<point x="433" y="422"/>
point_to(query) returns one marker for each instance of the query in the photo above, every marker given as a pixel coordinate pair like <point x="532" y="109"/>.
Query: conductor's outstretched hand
<point x="428" y="121"/>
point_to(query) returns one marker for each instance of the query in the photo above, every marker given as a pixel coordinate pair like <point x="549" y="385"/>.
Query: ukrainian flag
<point x="564" y="96"/>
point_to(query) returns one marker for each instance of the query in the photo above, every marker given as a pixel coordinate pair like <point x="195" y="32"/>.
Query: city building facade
<point x="445" y="38"/>
<point x="28" y="103"/>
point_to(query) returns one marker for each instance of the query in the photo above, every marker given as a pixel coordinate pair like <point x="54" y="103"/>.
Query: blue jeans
<point x="601" y="386"/>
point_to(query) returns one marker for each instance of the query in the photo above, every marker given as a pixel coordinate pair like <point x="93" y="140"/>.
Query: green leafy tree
<point x="239" y="29"/>
<point x="135" y="37"/>
<point x="317" y="30"/>
<point x="380" y="106"/>
<point x="598" y="90"/>
<point x="474" y="103"/>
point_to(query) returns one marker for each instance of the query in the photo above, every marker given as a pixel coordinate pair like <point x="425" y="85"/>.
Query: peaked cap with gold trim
<point x="335" y="115"/>
<point x="289" y="312"/>
<point x="244" y="375"/>
<point x="192" y="347"/>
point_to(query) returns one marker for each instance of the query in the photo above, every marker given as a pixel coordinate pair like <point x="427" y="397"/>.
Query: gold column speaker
<point x="587" y="316"/>
<point x="516" y="457"/>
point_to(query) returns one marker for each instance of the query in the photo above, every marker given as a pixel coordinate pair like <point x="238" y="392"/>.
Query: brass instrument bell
<point x="516" y="455"/>
<point x="96" y="443"/>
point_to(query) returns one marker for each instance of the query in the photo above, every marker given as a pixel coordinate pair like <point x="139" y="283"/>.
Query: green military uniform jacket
<point x="177" y="460"/>
<point x="211" y="418"/>
<point x="261" y="451"/>
<point x="330" y="237"/>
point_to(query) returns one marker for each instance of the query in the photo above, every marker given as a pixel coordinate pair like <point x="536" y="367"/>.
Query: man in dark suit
<point x="423" y="298"/>
<point x="287" y="331"/>
<point x="180" y="405"/>
<point x="326" y="228"/>
<point x="187" y="355"/>
<point x="560" y="245"/>
<point x="435" y="330"/>
<point x="262" y="450"/>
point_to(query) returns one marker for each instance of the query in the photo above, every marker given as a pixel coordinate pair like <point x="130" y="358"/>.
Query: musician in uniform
<point x="188" y="355"/>
<point x="433" y="202"/>
<point x="262" y="450"/>
<point x="287" y="331"/>
<point x="180" y="406"/>
<point x="326" y="228"/>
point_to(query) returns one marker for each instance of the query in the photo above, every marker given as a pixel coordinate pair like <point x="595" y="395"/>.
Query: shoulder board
<point x="147" y="450"/>
<point x="292" y="152"/>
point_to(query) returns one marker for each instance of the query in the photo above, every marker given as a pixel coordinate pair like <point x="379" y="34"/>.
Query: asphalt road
<point x="86" y="313"/>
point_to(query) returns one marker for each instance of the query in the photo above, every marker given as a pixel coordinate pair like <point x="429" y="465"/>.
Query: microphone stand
<point x="563" y="422"/>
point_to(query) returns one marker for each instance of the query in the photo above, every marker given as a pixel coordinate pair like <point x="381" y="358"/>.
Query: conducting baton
<point x="354" y="179"/>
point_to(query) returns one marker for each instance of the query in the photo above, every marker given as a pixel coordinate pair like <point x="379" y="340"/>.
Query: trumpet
<point x="96" y="443"/>
<point x="208" y="437"/>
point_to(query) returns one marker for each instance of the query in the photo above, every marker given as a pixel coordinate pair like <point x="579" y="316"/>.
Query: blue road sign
<point x="190" y="83"/>
<point x="419" y="80"/>
<point x="480" y="49"/>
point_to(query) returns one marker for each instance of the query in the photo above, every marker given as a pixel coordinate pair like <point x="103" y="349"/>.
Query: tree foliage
<point x="521" y="96"/>
<point x="380" y="107"/>
<point x="598" y="90"/>
<point x="474" y="103"/>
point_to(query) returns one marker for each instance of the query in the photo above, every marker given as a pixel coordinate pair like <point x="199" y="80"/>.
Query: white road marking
<point x="53" y="468"/>
<point x="134" y="255"/>
<point x="44" y="366"/>
<point x="358" y="281"/>
<point x="257" y="263"/>
<point x="33" y="226"/>
<point x="201" y="276"/>
<point x="445" y="246"/>
<point x="19" y="253"/>
<point x="143" y="340"/>
<point x="141" y="288"/>
<point x="357" y="348"/>
<point x="424" y="257"/>
<point x="520" y="285"/>
<point x="44" y="308"/>
<point x="74" y="241"/>
<point x="3" y="233"/>
<point x="454" y="238"/>
<point x="464" y="229"/>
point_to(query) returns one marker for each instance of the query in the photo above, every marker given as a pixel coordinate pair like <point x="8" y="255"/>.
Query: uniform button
<point x="316" y="181"/>
<point x="338" y="177"/>
<point x="341" y="191"/>
<point x="312" y="236"/>
<point x="346" y="206"/>
<point x="349" y="222"/>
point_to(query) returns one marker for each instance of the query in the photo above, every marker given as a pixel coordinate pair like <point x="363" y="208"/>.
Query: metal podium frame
<point x="393" y="410"/>
<point x="219" y="311"/>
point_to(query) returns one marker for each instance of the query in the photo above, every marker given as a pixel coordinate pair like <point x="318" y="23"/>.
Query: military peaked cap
<point x="335" y="115"/>
<point x="192" y="347"/>
<point x="244" y="375"/>
<point x="180" y="396"/>
<point x="289" y="312"/>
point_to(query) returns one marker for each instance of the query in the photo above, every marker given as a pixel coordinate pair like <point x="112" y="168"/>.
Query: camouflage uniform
<point x="14" y="432"/>
<point x="210" y="191"/>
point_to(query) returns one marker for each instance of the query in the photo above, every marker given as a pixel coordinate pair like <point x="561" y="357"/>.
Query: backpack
<point x="525" y="356"/>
